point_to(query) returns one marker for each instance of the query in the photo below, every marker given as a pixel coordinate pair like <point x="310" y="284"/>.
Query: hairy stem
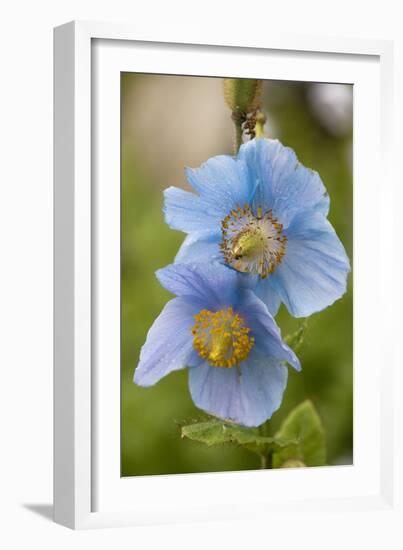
<point x="265" y="460"/>
<point x="260" y="122"/>
<point x="238" y="120"/>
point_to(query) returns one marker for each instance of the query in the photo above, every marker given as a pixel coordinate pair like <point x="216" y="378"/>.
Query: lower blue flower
<point x="226" y="336"/>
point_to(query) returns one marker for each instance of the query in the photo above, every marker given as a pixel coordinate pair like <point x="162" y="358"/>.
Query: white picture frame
<point x="88" y="490"/>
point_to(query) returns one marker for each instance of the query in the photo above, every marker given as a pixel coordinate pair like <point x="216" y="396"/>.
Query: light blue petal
<point x="222" y="181"/>
<point x="313" y="272"/>
<point x="169" y="343"/>
<point x="188" y="212"/>
<point x="300" y="190"/>
<point x="211" y="284"/>
<point x="265" y="330"/>
<point x="283" y="183"/>
<point x="203" y="247"/>
<point x="248" y="398"/>
<point x="259" y="167"/>
<point x="262" y="290"/>
<point x="200" y="246"/>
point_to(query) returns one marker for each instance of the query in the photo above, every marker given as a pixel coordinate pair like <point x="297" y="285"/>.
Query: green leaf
<point x="304" y="424"/>
<point x="218" y="432"/>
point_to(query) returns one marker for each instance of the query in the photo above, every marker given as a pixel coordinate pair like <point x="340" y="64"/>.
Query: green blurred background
<point x="169" y="122"/>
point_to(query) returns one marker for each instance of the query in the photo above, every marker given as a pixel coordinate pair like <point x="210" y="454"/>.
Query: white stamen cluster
<point x="252" y="243"/>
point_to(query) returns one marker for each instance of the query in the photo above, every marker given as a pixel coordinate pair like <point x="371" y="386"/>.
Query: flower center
<point x="221" y="337"/>
<point x="252" y="243"/>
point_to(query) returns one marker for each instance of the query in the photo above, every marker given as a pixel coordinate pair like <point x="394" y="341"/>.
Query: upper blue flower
<point x="263" y="214"/>
<point x="227" y="337"/>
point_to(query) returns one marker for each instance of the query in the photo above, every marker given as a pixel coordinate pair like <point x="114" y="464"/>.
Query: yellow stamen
<point x="221" y="337"/>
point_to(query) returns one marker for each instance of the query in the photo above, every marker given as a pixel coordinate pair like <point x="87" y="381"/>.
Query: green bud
<point x="242" y="94"/>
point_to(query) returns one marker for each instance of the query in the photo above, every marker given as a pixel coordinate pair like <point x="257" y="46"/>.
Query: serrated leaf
<point x="216" y="432"/>
<point x="304" y="424"/>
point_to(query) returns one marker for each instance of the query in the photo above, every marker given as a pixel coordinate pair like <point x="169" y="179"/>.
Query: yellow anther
<point x="221" y="337"/>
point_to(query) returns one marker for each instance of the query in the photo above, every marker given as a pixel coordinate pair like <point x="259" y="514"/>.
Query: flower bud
<point x="242" y="94"/>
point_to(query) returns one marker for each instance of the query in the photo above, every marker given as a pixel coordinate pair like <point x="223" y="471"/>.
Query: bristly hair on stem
<point x="238" y="119"/>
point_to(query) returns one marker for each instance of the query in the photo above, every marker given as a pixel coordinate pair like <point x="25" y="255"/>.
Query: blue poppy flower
<point x="226" y="336"/>
<point x="265" y="215"/>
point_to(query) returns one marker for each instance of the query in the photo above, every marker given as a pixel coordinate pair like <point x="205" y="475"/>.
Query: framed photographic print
<point x="221" y="211"/>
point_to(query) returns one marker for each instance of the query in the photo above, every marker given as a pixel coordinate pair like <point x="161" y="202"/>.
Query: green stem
<point x="237" y="133"/>
<point x="263" y="429"/>
<point x="269" y="461"/>
<point x="260" y="122"/>
<point x="265" y="460"/>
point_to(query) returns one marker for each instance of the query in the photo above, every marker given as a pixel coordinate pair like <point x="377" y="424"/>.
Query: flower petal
<point x="265" y="330"/>
<point x="262" y="290"/>
<point x="168" y="346"/>
<point x="189" y="212"/>
<point x="222" y="181"/>
<point x="248" y="398"/>
<point x="313" y="272"/>
<point x="211" y="284"/>
<point x="200" y="247"/>
<point x="255" y="155"/>
<point x="284" y="184"/>
<point x="203" y="247"/>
